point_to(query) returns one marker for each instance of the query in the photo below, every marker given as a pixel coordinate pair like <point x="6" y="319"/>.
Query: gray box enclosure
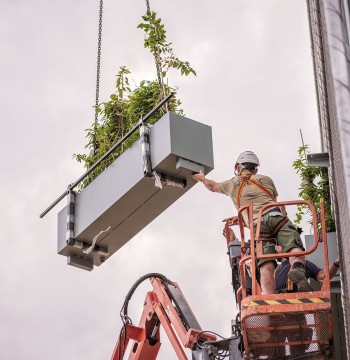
<point x="317" y="256"/>
<point x="123" y="199"/>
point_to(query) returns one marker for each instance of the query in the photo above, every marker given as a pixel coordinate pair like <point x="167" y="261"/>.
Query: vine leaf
<point x="314" y="185"/>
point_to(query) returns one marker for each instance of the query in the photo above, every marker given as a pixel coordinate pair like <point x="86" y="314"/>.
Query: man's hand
<point x="231" y="235"/>
<point x="333" y="269"/>
<point x="278" y="249"/>
<point x="231" y="220"/>
<point x="211" y="185"/>
<point x="199" y="176"/>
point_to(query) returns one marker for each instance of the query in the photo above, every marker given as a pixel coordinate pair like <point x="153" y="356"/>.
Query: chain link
<point x="98" y="55"/>
<point x="98" y="67"/>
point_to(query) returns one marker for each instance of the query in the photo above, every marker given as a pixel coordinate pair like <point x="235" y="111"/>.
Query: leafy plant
<point x="128" y="105"/>
<point x="156" y="42"/>
<point x="314" y="186"/>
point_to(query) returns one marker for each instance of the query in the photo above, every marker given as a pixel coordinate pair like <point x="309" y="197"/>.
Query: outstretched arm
<point x="333" y="269"/>
<point x="209" y="184"/>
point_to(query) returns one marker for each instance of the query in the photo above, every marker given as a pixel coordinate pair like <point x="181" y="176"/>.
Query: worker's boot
<point x="298" y="276"/>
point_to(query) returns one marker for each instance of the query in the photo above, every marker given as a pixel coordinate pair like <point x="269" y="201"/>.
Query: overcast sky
<point x="254" y="86"/>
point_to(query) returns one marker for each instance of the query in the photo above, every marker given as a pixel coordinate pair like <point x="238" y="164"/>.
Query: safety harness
<point x="246" y="178"/>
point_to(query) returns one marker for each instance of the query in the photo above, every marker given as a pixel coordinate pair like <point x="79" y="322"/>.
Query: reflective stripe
<point x="286" y="302"/>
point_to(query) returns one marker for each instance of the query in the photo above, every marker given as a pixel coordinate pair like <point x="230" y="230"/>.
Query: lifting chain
<point x="147" y="5"/>
<point x="98" y="70"/>
<point x="98" y="66"/>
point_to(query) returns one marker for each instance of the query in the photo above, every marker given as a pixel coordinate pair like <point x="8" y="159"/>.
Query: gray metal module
<point x="124" y="201"/>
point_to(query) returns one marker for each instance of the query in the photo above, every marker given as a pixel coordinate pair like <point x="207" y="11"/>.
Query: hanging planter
<point x="131" y="179"/>
<point x="122" y="200"/>
<point x="128" y="105"/>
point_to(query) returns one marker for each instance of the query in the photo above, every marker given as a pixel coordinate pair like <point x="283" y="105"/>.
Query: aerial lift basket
<point x="287" y="325"/>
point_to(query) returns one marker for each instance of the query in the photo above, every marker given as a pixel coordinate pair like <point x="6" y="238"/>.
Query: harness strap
<point x="240" y="189"/>
<point x="245" y="179"/>
<point x="262" y="187"/>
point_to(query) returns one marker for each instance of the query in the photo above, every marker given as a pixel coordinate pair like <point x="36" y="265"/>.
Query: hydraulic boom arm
<point x="165" y="306"/>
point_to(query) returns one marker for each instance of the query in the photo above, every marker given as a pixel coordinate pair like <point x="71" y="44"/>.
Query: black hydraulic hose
<point x="124" y="309"/>
<point x="125" y="318"/>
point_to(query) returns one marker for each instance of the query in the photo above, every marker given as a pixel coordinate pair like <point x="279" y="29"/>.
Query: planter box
<point x="123" y="199"/>
<point x="317" y="256"/>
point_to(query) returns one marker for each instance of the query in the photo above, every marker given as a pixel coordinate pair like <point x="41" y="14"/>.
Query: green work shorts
<point x="287" y="237"/>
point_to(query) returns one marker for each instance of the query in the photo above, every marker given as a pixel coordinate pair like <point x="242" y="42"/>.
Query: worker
<point x="281" y="272"/>
<point x="247" y="186"/>
<point x="312" y="271"/>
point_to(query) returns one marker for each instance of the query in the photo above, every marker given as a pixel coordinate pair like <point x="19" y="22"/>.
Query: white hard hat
<point x="247" y="157"/>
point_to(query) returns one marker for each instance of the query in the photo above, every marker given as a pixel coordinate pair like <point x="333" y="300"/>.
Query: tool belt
<point x="272" y="212"/>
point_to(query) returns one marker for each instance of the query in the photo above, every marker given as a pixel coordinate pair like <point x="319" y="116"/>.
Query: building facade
<point x="330" y="33"/>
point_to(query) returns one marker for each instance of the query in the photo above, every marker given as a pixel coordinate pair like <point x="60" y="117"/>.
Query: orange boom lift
<point x="279" y="326"/>
<point x="166" y="306"/>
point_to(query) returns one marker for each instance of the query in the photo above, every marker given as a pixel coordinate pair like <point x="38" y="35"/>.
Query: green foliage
<point x="128" y="105"/>
<point x="156" y="42"/>
<point x="314" y="186"/>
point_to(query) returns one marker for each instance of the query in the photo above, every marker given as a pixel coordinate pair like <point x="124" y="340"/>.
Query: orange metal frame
<point x="158" y="310"/>
<point x="257" y="243"/>
<point x="250" y="305"/>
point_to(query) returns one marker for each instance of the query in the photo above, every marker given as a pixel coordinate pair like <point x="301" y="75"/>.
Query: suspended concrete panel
<point x="124" y="201"/>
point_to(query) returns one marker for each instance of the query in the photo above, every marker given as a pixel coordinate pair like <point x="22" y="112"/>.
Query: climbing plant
<point x="162" y="51"/>
<point x="314" y="186"/>
<point x="127" y="105"/>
